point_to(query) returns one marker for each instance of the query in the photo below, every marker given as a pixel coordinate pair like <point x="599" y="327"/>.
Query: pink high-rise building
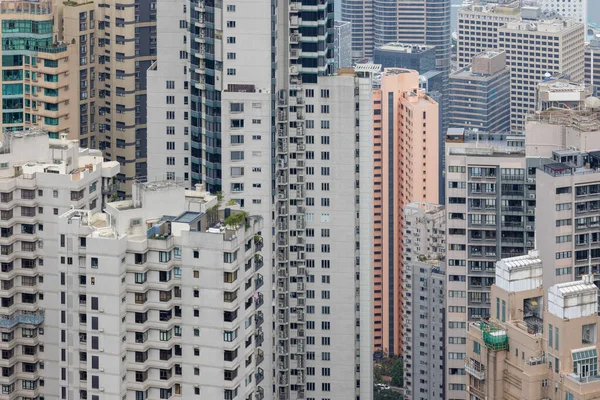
<point x="405" y="170"/>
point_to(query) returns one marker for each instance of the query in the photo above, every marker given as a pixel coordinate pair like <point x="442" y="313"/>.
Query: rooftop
<point x="481" y="143"/>
<point x="554" y="25"/>
<point x="405" y="48"/>
<point x="585" y="120"/>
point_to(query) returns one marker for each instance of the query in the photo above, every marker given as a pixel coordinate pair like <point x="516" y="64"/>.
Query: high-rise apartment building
<point x="540" y="342"/>
<point x="424" y="300"/>
<point x="168" y="138"/>
<point x="41" y="179"/>
<point x="112" y="78"/>
<point x="406" y="170"/>
<point x="530" y="61"/>
<point x="165" y="300"/>
<point x="490" y="204"/>
<point x="323" y="207"/>
<point x="481" y="94"/>
<point x="478" y="25"/>
<point x="37" y="86"/>
<point x="314" y="185"/>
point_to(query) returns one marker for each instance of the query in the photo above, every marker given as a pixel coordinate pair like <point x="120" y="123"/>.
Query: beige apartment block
<point x="116" y="44"/>
<point x="538" y="343"/>
<point x="406" y="169"/>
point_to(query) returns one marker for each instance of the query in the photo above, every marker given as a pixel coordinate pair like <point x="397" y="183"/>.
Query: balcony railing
<point x="475" y="369"/>
<point x="23" y="317"/>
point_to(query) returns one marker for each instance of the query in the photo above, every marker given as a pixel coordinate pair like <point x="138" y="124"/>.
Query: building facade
<point x="406" y="170"/>
<point x="314" y="184"/>
<point x="41" y="179"/>
<point x="112" y="78"/>
<point x="592" y="64"/>
<point x="481" y="94"/>
<point x="490" y="205"/>
<point x="539" y="343"/>
<point x="478" y="25"/>
<point x="189" y="274"/>
<point x="424" y="300"/>
<point x="35" y="71"/>
<point x="529" y="65"/>
<point x="420" y="58"/>
<point x="342" y="45"/>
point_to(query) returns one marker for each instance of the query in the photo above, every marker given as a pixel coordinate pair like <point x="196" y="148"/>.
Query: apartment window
<point x="231" y="71"/>
<point x="170" y="84"/>
<point x="170" y="100"/>
<point x="236" y="123"/>
<point x="231" y="8"/>
<point x="170" y="130"/>
<point x="325" y="294"/>
<point x="170" y="114"/>
<point x="310" y="108"/>
<point x="324" y="109"/>
<point x="231" y="39"/>
<point x="237" y="139"/>
<point x="237" y="155"/>
<point x="231" y="24"/>
<point x="325" y="93"/>
<point x="170" y="160"/>
<point x="170" y="145"/>
<point x="324" y="125"/>
<point x="309" y="93"/>
<point x="550" y="335"/>
<point x="231" y="56"/>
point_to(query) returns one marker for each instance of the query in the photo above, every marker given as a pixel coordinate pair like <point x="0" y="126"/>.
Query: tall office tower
<point x="574" y="9"/>
<point x="342" y="45"/>
<point x="420" y="58"/>
<point x="360" y="14"/>
<point x="428" y="22"/>
<point x="35" y="70"/>
<point x="490" y="204"/>
<point x="592" y="64"/>
<point x="112" y="77"/>
<point x="481" y="94"/>
<point x="163" y="301"/>
<point x="424" y="299"/>
<point x="41" y="179"/>
<point x="406" y="170"/>
<point x="478" y="25"/>
<point x="562" y="53"/>
<point x="557" y="92"/>
<point x="541" y="342"/>
<point x="168" y="99"/>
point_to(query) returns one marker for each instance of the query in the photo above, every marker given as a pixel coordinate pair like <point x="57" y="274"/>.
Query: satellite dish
<point x="592" y="103"/>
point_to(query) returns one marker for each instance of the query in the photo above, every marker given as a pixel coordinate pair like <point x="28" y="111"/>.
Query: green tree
<point x="397" y="373"/>
<point x="377" y="373"/>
